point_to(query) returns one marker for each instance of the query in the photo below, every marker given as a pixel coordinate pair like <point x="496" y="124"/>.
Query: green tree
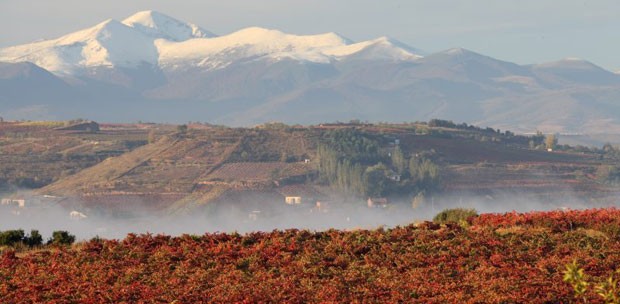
<point x="424" y="172"/>
<point x="182" y="129"/>
<point x="34" y="239"/>
<point x="328" y="163"/>
<point x="356" y="178"/>
<point x="375" y="180"/>
<point x="398" y="160"/>
<point x="343" y="176"/>
<point x="61" y="238"/>
<point x="11" y="237"/>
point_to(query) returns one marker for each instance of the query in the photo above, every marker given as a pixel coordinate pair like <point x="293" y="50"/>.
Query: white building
<point x="21" y="203"/>
<point x="76" y="215"/>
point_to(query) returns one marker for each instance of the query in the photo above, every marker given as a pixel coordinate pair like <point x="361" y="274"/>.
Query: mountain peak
<point x="458" y="55"/>
<point x="158" y="25"/>
<point x="256" y="31"/>
<point x="148" y="17"/>
<point x="569" y="62"/>
<point x="399" y="44"/>
<point x="459" y="52"/>
<point x="382" y="48"/>
<point x="146" y="14"/>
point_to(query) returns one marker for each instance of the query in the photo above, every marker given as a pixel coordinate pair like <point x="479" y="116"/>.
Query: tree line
<point x="17" y="238"/>
<point x="350" y="162"/>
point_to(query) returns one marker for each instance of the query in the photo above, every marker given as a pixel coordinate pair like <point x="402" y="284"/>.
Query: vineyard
<point x="494" y="258"/>
<point x="259" y="171"/>
<point x="33" y="154"/>
<point x="195" y="166"/>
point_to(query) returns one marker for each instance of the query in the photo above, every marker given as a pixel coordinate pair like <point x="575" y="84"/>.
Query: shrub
<point x="460" y="216"/>
<point x="182" y="129"/>
<point x="11" y="237"/>
<point x="607" y="289"/>
<point x="34" y="239"/>
<point x="61" y="238"/>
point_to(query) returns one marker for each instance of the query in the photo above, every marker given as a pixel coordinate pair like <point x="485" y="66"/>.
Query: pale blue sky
<point x="522" y="31"/>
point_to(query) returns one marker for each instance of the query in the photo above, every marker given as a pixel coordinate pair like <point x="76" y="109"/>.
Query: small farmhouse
<point x="299" y="194"/>
<point x="377" y="202"/>
<point x="292" y="200"/>
<point x="21" y="203"/>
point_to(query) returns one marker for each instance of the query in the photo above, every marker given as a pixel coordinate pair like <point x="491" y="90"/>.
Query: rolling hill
<point x="254" y="169"/>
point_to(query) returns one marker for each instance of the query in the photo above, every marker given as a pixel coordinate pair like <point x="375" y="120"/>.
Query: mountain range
<point x="152" y="67"/>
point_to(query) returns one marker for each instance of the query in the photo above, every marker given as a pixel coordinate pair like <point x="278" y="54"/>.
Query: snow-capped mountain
<point x="158" y="25"/>
<point x="153" y="38"/>
<point x="247" y="44"/>
<point x="108" y="44"/>
<point x="153" y="67"/>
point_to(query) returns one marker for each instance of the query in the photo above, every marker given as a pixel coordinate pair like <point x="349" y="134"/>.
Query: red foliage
<point x="433" y="264"/>
<point x="607" y="220"/>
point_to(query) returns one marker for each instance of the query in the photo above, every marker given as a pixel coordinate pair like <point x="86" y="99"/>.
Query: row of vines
<point x="507" y="258"/>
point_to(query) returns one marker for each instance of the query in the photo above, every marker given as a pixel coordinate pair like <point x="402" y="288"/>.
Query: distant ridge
<point x="153" y="67"/>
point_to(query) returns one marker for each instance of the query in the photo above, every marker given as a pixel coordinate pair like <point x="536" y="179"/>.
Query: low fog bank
<point x="231" y="216"/>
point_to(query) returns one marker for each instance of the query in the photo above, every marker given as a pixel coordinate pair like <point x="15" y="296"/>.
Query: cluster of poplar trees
<point x="349" y="161"/>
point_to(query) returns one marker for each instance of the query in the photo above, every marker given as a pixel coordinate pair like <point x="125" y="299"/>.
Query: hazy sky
<point x="522" y="31"/>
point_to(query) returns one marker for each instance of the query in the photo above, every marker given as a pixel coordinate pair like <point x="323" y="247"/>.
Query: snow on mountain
<point x="149" y="37"/>
<point x="249" y="43"/>
<point x="254" y="43"/>
<point x="158" y="25"/>
<point x="378" y="49"/>
<point x="107" y="44"/>
<point x="146" y="62"/>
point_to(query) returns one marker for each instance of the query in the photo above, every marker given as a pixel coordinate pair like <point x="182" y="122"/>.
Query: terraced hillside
<point x="207" y="165"/>
<point x="153" y="175"/>
<point x="34" y="154"/>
